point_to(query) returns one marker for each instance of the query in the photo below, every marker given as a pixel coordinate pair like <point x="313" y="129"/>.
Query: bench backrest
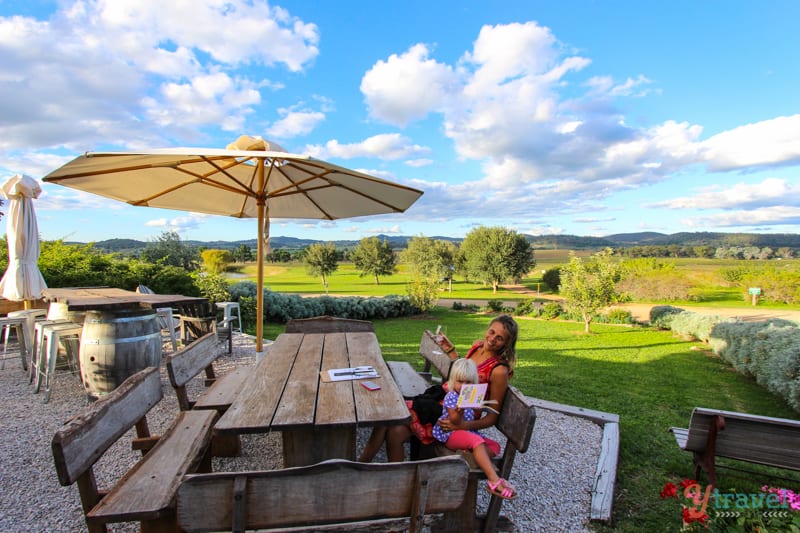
<point x="434" y="355"/>
<point x="83" y="439"/>
<point x="757" y="439"/>
<point x="186" y="363"/>
<point x="313" y="495"/>
<point x="516" y="420"/>
<point x="328" y="324"/>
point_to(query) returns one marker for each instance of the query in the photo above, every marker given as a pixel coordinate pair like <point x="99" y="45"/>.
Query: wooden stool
<point x="50" y="336"/>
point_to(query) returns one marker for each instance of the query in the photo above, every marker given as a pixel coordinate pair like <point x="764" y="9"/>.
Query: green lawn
<point x="651" y="379"/>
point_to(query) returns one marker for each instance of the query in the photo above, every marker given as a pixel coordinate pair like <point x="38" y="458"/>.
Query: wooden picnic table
<point x="120" y="333"/>
<point x="109" y="298"/>
<point x="288" y="392"/>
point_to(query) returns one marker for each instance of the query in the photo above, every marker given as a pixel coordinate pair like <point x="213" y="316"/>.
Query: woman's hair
<point x="510" y="349"/>
<point x="463" y="370"/>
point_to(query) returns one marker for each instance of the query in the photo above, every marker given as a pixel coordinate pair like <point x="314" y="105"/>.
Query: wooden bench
<point x="409" y="381"/>
<point x="188" y="362"/>
<point x="328" y="324"/>
<point x="744" y="437"/>
<point x="147" y="492"/>
<point x="335" y="494"/>
<point x="516" y="421"/>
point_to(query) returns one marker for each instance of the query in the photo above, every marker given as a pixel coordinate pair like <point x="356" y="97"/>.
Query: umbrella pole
<point x="260" y="264"/>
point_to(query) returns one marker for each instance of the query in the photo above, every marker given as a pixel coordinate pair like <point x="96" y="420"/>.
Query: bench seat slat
<point x="408" y="380"/>
<point x="223" y="391"/>
<point x="149" y="488"/>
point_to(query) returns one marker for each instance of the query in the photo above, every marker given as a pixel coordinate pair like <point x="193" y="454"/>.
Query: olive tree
<point x="374" y="258"/>
<point x="321" y="260"/>
<point x="495" y="255"/>
<point x="589" y="285"/>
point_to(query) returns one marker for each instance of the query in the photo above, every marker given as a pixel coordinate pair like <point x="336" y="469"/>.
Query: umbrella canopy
<point x="22" y="280"/>
<point x="250" y="179"/>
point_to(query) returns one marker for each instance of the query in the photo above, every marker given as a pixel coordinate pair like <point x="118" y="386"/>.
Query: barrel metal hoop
<point x="119" y="320"/>
<point x="123" y="340"/>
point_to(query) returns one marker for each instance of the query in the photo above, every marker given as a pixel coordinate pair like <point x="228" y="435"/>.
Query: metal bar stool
<point x="20" y="323"/>
<point x="31" y="316"/>
<point x="50" y="334"/>
<point x="228" y="309"/>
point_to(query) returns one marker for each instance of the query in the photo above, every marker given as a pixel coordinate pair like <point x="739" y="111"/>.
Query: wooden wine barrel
<point x="117" y="344"/>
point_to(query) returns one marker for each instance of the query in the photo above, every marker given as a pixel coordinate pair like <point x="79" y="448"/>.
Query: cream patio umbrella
<point x="252" y="178"/>
<point x="22" y="280"/>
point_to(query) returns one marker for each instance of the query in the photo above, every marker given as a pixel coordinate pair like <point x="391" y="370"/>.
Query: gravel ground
<point x="554" y="478"/>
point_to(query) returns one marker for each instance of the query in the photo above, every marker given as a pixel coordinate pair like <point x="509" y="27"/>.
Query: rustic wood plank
<point x="222" y="393"/>
<point x="605" y="478"/>
<point x="335" y="403"/>
<point x="184" y="364"/>
<point x="327" y="324"/>
<point x="298" y="404"/>
<point x="253" y="410"/>
<point x="384" y="406"/>
<point x="306" y="496"/>
<point x="86" y="437"/>
<point x="148" y="490"/>
<point x="434" y="355"/>
<point x="408" y="380"/>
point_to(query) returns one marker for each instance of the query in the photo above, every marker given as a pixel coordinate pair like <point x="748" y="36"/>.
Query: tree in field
<point x="216" y="261"/>
<point x="243" y="253"/>
<point x="431" y="259"/>
<point x="495" y="255"/>
<point x="589" y="285"/>
<point x="168" y="249"/>
<point x="374" y="258"/>
<point x="321" y="260"/>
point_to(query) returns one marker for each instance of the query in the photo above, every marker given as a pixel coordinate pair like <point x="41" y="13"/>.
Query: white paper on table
<point x="347" y="374"/>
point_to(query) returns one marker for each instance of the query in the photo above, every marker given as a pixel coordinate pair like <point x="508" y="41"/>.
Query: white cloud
<point x="387" y="146"/>
<point x="766" y="216"/>
<point x="770" y="192"/>
<point x="119" y="67"/>
<point x="765" y="143"/>
<point x="406" y="87"/>
<point x="295" y="121"/>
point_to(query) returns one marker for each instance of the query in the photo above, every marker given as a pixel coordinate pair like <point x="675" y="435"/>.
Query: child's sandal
<point x="502" y="488"/>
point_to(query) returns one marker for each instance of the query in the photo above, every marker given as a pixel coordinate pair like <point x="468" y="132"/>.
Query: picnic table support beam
<point x="325" y="444"/>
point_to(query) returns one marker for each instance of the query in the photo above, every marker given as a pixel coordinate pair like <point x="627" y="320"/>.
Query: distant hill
<point x="544" y="242"/>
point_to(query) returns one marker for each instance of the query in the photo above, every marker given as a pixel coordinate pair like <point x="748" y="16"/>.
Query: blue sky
<point x="569" y="117"/>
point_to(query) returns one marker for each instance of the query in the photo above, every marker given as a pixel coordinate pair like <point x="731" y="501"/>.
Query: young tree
<point x="216" y="261"/>
<point x="495" y="255"/>
<point x="321" y="260"/>
<point x="168" y="249"/>
<point x="431" y="259"/>
<point x="243" y="253"/>
<point x="589" y="286"/>
<point x="375" y="258"/>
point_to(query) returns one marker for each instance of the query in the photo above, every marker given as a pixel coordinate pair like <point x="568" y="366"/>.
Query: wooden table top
<point x="98" y="298"/>
<point x="285" y="390"/>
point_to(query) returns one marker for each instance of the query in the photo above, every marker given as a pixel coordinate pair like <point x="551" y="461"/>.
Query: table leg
<point x="308" y="446"/>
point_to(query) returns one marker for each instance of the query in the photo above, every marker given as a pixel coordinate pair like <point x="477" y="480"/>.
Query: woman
<point x="494" y="356"/>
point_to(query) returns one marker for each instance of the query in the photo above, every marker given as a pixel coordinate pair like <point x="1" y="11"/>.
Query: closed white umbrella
<point x="22" y="280"/>
<point x="252" y="178"/>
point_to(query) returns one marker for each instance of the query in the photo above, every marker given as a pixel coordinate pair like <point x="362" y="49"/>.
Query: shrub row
<point x="768" y="351"/>
<point x="280" y="308"/>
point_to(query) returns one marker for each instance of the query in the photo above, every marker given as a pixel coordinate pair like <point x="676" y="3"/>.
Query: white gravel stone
<point x="554" y="478"/>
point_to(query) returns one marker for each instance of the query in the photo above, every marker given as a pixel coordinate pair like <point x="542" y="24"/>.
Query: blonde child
<point x="483" y="448"/>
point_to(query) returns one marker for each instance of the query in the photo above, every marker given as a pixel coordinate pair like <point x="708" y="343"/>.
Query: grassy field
<point x="651" y="379"/>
